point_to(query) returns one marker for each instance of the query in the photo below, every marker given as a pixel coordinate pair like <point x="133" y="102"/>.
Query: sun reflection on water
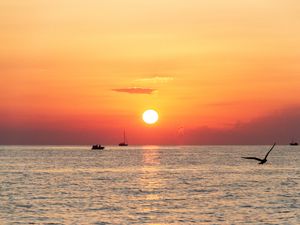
<point x="151" y="183"/>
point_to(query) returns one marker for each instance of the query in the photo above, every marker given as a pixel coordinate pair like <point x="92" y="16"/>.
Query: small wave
<point x="28" y="206"/>
<point x="204" y="190"/>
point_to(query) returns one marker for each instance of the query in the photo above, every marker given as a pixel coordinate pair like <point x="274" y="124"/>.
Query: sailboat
<point x="124" y="143"/>
<point x="293" y="143"/>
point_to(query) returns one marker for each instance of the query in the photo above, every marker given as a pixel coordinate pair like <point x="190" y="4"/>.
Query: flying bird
<point x="261" y="161"/>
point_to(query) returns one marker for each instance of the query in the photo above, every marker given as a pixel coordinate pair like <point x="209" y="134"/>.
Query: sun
<point x="150" y="116"/>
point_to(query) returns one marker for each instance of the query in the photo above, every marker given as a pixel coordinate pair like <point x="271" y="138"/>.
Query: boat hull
<point x="97" y="147"/>
<point x="123" y="144"/>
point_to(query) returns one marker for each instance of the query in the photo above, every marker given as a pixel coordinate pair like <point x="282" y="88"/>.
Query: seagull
<point x="261" y="161"/>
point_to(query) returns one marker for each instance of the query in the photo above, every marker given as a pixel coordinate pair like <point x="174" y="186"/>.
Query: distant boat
<point x="294" y="143"/>
<point x="95" y="147"/>
<point x="124" y="143"/>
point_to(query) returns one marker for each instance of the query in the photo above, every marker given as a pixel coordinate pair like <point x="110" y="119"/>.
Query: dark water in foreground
<point x="149" y="185"/>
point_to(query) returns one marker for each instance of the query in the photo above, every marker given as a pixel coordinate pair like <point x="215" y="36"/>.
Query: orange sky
<point x="67" y="67"/>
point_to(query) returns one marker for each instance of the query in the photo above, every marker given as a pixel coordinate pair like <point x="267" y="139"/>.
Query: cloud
<point x="281" y="126"/>
<point x="135" y="90"/>
<point x="155" y="79"/>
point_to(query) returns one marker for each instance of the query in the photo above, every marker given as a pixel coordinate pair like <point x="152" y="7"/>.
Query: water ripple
<point x="151" y="185"/>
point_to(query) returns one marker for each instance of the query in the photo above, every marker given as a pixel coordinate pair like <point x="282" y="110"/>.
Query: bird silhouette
<point x="261" y="161"/>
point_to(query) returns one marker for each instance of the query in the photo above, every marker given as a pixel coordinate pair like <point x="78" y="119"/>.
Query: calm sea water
<point x="149" y="185"/>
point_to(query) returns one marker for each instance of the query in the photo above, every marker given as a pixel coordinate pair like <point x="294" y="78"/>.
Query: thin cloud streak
<point x="156" y="79"/>
<point x="135" y="90"/>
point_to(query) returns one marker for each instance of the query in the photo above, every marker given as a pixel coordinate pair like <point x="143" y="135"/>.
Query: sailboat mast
<point x="124" y="136"/>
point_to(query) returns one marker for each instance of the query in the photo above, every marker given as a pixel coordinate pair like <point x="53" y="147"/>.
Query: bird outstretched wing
<point x="252" y="158"/>
<point x="270" y="150"/>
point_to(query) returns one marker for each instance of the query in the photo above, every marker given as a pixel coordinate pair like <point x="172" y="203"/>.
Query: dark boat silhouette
<point x="124" y="143"/>
<point x="294" y="143"/>
<point x="264" y="160"/>
<point x="97" y="147"/>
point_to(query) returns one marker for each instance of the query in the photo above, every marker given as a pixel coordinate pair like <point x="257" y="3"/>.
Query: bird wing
<point x="270" y="150"/>
<point x="252" y="158"/>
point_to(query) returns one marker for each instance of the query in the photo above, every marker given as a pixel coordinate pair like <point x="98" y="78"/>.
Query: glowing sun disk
<point x="150" y="116"/>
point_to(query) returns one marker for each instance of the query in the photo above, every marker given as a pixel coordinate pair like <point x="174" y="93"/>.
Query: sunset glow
<point x="225" y="71"/>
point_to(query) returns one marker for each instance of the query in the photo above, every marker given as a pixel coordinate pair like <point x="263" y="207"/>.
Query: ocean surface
<point x="149" y="185"/>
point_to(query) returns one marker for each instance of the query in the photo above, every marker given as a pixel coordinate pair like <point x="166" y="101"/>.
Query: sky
<point x="217" y="72"/>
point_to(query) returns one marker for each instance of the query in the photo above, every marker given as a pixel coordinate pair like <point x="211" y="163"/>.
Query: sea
<point x="149" y="185"/>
